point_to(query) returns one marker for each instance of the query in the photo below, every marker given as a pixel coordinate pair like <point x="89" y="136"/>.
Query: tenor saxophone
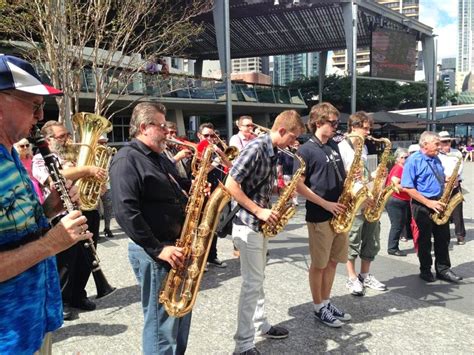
<point x="283" y="207"/>
<point x="451" y="202"/>
<point x="350" y="198"/>
<point x="181" y="286"/>
<point x="380" y="192"/>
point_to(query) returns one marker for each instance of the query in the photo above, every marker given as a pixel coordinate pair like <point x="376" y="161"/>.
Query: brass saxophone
<point x="342" y="222"/>
<point x="90" y="127"/>
<point x="451" y="202"/>
<point x="380" y="192"/>
<point x="181" y="286"/>
<point x="285" y="209"/>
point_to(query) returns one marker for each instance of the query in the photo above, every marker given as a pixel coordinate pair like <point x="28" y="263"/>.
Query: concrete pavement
<point x="411" y="317"/>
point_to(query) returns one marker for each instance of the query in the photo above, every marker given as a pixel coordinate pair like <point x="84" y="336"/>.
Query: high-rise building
<point x="409" y="8"/>
<point x="465" y="27"/>
<point x="290" y="67"/>
<point x="246" y="65"/>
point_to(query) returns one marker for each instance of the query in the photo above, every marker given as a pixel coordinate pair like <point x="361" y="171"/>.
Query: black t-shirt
<point x="324" y="175"/>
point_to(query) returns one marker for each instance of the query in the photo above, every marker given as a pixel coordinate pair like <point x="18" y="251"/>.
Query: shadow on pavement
<point x="88" y="329"/>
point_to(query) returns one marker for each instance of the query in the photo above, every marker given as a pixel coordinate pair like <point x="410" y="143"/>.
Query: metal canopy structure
<point x="261" y="28"/>
<point x="249" y="28"/>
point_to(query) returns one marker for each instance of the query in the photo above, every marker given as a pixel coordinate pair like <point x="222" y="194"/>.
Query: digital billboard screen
<point x="393" y="54"/>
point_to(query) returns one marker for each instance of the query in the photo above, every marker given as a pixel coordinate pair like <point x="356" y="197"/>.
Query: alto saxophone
<point x="342" y="222"/>
<point x="380" y="192"/>
<point x="181" y="286"/>
<point x="285" y="209"/>
<point x="451" y="202"/>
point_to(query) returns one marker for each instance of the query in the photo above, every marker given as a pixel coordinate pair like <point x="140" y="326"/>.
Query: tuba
<point x="451" y="202"/>
<point x="380" y="192"/>
<point x="349" y="197"/>
<point x="90" y="127"/>
<point x="181" y="286"/>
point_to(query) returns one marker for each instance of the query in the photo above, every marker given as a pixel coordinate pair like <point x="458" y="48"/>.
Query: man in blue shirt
<point x="30" y="297"/>
<point x="423" y="179"/>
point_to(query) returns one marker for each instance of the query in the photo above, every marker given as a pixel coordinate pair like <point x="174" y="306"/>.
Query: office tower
<point x="290" y="67"/>
<point x="465" y="38"/>
<point x="409" y="8"/>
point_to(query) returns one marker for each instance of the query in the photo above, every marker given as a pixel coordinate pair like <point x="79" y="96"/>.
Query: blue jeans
<point x="162" y="334"/>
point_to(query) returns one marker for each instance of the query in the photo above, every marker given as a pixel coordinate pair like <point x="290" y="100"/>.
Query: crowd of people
<point x="42" y="280"/>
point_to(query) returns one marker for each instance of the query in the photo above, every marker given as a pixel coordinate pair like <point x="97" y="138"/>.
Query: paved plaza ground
<point x="411" y="317"/>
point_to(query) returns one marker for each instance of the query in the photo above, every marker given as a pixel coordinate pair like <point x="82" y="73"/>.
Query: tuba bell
<point x="90" y="127"/>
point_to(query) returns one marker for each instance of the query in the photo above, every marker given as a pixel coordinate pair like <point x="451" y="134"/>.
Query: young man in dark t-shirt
<point x="321" y="185"/>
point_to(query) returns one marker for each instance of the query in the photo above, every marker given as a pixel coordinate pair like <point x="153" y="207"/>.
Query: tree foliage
<point x="372" y="95"/>
<point x="111" y="38"/>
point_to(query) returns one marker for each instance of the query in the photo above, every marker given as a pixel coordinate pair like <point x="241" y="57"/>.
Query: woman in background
<point x="398" y="206"/>
<point x="25" y="151"/>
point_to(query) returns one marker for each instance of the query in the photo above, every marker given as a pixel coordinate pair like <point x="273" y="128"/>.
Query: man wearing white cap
<point x="30" y="298"/>
<point x="449" y="158"/>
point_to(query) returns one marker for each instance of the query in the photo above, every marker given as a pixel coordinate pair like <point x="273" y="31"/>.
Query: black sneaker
<point x="253" y="351"/>
<point x="325" y="316"/>
<point x="108" y="233"/>
<point x="217" y="263"/>
<point x="276" y="332"/>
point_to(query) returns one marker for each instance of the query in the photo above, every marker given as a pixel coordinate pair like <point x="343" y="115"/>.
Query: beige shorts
<point x="325" y="244"/>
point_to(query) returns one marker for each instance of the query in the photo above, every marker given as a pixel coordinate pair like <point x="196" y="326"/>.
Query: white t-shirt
<point x="449" y="161"/>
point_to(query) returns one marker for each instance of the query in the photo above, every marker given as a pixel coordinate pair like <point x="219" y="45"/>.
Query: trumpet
<point x="265" y="130"/>
<point x="192" y="146"/>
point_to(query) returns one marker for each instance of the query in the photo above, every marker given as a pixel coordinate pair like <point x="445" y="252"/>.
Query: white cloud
<point x="442" y="16"/>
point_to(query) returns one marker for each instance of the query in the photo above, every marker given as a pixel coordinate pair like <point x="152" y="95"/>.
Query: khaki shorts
<point x="325" y="244"/>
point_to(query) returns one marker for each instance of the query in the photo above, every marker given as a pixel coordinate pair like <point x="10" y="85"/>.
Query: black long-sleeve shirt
<point x="148" y="203"/>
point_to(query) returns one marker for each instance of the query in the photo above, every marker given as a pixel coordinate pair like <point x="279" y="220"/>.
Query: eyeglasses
<point x="160" y="125"/>
<point x="248" y="125"/>
<point x="62" y="136"/>
<point x="207" y="135"/>
<point x="333" y="123"/>
<point x="24" y="145"/>
<point x="36" y="107"/>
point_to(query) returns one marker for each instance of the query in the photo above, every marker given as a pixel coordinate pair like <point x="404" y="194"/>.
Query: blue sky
<point x="442" y="16"/>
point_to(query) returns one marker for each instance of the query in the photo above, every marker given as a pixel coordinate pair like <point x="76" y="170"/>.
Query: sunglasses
<point x="36" y="107"/>
<point x="333" y="123"/>
<point x="248" y="125"/>
<point x="404" y="157"/>
<point x="172" y="131"/>
<point x="207" y="135"/>
<point x="24" y="145"/>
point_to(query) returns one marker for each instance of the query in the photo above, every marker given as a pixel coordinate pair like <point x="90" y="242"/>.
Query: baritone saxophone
<point x="181" y="286"/>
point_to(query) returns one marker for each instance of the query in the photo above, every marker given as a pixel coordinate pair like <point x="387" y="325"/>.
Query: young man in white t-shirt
<point x="364" y="237"/>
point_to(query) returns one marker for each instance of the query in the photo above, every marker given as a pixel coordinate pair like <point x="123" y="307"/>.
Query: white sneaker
<point x="371" y="282"/>
<point x="355" y="286"/>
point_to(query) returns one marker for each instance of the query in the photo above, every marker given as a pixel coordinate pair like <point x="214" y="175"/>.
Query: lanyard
<point x="329" y="156"/>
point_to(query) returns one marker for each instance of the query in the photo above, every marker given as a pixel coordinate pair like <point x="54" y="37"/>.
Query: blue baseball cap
<point x="18" y="74"/>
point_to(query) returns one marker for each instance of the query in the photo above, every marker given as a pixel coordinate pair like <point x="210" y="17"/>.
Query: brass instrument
<point x="351" y="199"/>
<point x="380" y="192"/>
<point x="192" y="146"/>
<point x="230" y="152"/>
<point x="285" y="209"/>
<point x="181" y="286"/>
<point x="450" y="202"/>
<point x="54" y="167"/>
<point x="90" y="127"/>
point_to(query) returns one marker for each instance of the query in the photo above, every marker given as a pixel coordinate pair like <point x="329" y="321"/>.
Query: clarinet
<point x="54" y="167"/>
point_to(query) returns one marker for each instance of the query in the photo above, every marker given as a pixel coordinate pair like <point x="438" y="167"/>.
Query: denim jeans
<point x="398" y="212"/>
<point x="162" y="334"/>
<point x="253" y="258"/>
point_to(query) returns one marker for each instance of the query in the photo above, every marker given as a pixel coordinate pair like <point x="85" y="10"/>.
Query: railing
<point x="189" y="87"/>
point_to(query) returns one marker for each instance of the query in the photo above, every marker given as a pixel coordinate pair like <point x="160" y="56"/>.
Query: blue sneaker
<point x="337" y="313"/>
<point x="325" y="316"/>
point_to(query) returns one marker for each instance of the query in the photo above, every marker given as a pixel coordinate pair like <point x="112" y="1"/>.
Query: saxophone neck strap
<point x="438" y="177"/>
